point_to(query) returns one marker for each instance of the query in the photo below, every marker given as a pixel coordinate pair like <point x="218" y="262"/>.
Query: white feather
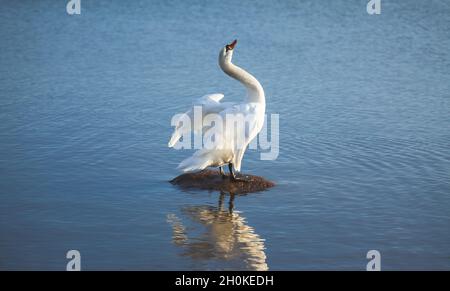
<point x="252" y="109"/>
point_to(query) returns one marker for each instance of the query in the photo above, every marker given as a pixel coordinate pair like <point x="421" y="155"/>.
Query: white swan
<point x="252" y="109"/>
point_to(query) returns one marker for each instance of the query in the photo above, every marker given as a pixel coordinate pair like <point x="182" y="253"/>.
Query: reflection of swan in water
<point x="226" y="238"/>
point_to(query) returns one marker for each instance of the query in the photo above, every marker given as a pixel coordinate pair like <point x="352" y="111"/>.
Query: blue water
<point x="85" y="109"/>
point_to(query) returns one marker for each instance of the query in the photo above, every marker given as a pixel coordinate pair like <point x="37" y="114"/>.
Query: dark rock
<point x="213" y="181"/>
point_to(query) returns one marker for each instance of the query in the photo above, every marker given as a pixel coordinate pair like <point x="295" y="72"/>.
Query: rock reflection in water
<point x="225" y="236"/>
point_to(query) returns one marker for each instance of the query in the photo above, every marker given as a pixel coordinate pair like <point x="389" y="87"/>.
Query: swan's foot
<point x="222" y="173"/>
<point x="233" y="176"/>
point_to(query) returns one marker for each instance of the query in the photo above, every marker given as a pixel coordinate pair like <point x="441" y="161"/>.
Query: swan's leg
<point x="222" y="172"/>
<point x="230" y="167"/>
<point x="233" y="175"/>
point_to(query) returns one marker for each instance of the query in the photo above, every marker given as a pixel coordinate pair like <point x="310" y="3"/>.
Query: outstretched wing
<point x="209" y="104"/>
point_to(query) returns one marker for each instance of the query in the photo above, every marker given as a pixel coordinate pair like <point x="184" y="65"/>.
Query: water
<point x="86" y="103"/>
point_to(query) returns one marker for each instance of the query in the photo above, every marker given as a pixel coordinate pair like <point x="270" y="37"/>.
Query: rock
<point x="213" y="181"/>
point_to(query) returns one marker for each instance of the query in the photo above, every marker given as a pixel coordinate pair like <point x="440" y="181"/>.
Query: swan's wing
<point x="227" y="145"/>
<point x="210" y="98"/>
<point x="251" y="112"/>
<point x="209" y="104"/>
<point x="253" y="116"/>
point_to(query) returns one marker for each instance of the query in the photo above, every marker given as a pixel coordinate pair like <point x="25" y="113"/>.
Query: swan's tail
<point x="197" y="162"/>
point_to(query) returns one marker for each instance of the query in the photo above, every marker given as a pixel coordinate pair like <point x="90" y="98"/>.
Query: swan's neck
<point x="255" y="92"/>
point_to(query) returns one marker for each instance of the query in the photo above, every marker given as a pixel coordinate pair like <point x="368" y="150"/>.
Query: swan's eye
<point x="227" y="48"/>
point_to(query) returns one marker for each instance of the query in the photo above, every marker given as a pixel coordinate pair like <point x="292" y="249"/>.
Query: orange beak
<point x="231" y="45"/>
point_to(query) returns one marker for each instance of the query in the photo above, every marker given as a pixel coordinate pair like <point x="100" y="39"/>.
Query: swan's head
<point x="226" y="53"/>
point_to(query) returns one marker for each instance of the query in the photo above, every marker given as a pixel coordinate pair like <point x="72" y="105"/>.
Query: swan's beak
<point x="231" y="45"/>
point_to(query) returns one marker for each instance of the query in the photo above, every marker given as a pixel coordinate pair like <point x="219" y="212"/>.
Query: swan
<point x="227" y="151"/>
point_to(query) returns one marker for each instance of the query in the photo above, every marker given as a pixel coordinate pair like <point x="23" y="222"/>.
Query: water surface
<point x="85" y="109"/>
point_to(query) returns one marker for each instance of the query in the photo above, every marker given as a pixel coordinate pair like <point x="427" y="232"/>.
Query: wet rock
<point x="213" y="181"/>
